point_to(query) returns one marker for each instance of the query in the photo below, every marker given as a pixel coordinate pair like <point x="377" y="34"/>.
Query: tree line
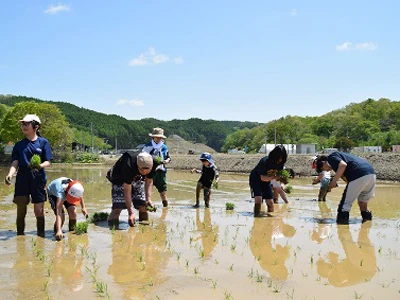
<point x="83" y="125"/>
<point x="371" y="122"/>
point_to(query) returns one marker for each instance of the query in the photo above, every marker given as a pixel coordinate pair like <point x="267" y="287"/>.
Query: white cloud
<point x="53" y="10"/>
<point x="133" y="102"/>
<point x="293" y="12"/>
<point x="367" y="46"/>
<point x="151" y="57"/>
<point x="344" y="47"/>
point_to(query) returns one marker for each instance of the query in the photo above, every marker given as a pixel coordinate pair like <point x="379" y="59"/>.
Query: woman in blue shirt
<point x="30" y="183"/>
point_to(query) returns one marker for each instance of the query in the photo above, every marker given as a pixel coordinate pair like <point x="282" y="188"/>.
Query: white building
<point x="267" y="148"/>
<point x="367" y="149"/>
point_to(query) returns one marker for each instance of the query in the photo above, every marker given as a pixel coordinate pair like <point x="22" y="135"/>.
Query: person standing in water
<point x="159" y="151"/>
<point x="260" y="178"/>
<point x="30" y="184"/>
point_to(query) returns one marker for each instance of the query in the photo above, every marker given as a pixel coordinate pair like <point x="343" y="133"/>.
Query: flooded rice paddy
<point x="296" y="253"/>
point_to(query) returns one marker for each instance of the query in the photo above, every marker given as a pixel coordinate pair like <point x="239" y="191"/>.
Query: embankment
<point x="386" y="165"/>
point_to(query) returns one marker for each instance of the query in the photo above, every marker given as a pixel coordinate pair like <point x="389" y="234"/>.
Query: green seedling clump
<point x="229" y="206"/>
<point x="81" y="227"/>
<point x="97" y="217"/>
<point x="35" y="162"/>
<point x="215" y="184"/>
<point x="288" y="189"/>
<point x="151" y="208"/>
<point x="284" y="176"/>
<point x="158" y="159"/>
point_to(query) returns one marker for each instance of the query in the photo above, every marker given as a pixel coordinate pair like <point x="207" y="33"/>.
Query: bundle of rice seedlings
<point x="284" y="176"/>
<point x="81" y="227"/>
<point x="98" y="216"/>
<point x="288" y="189"/>
<point x="229" y="206"/>
<point x="35" y="162"/>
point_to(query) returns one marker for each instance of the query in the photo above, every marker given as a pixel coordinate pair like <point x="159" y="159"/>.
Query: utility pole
<point x="266" y="141"/>
<point x="275" y="131"/>
<point x="116" y="146"/>
<point x="91" y="133"/>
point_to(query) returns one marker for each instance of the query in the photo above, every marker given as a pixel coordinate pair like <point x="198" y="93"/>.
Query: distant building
<point x="328" y="151"/>
<point x="267" y="148"/>
<point x="305" y="148"/>
<point x="367" y="149"/>
<point x="396" y="148"/>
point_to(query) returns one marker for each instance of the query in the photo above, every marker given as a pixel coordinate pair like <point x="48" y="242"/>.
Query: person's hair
<point x="34" y="124"/>
<point x="318" y="163"/>
<point x="278" y="152"/>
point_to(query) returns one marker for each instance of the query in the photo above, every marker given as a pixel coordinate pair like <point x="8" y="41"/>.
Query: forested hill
<point x="369" y="123"/>
<point x="129" y="133"/>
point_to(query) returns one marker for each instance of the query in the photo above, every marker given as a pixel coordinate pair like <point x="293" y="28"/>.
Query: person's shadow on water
<point x="360" y="263"/>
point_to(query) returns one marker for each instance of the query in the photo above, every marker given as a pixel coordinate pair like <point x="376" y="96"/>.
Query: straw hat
<point x="158" y="132"/>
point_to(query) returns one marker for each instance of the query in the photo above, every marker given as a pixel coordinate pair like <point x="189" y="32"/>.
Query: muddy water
<point x="296" y="253"/>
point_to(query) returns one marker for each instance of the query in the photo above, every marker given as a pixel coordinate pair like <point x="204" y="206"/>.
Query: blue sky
<point x="222" y="60"/>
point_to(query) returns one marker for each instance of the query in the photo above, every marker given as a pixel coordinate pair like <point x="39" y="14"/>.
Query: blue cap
<point x="207" y="156"/>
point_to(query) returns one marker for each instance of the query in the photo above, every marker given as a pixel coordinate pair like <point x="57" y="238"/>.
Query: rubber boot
<point x="197" y="205"/>
<point x="165" y="203"/>
<point x="143" y="217"/>
<point x="71" y="225"/>
<point x="40" y="226"/>
<point x="257" y="210"/>
<point x="21" y="213"/>
<point x="207" y="203"/>
<point x="366" y="216"/>
<point x="342" y="218"/>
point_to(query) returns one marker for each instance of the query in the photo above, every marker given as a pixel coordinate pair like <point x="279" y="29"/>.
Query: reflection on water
<point x="267" y="248"/>
<point x="208" y="232"/>
<point x="358" y="266"/>
<point x="189" y="253"/>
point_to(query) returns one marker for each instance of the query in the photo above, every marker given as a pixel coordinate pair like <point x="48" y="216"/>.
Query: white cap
<point x="30" y="118"/>
<point x="74" y="192"/>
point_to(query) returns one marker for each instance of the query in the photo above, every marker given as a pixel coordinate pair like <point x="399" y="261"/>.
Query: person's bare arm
<point x="13" y="169"/>
<point x="339" y="173"/>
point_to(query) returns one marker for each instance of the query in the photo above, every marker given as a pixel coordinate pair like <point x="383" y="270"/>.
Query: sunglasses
<point x="25" y="123"/>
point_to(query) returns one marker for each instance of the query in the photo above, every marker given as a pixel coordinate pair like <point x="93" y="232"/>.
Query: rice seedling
<point x="228" y="296"/>
<point x="233" y="247"/>
<point x="81" y="227"/>
<point x="229" y="206"/>
<point x="357" y="296"/>
<point x="196" y="271"/>
<point x="201" y="252"/>
<point x="214" y="284"/>
<point x="259" y="277"/>
<point x="290" y="296"/>
<point x="231" y="267"/>
<point x="276" y="288"/>
<point x="251" y="273"/>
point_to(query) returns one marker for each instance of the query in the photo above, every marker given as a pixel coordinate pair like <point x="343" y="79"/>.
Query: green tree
<point x="54" y="127"/>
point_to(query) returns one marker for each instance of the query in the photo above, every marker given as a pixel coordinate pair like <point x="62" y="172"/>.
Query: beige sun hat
<point x="158" y="132"/>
